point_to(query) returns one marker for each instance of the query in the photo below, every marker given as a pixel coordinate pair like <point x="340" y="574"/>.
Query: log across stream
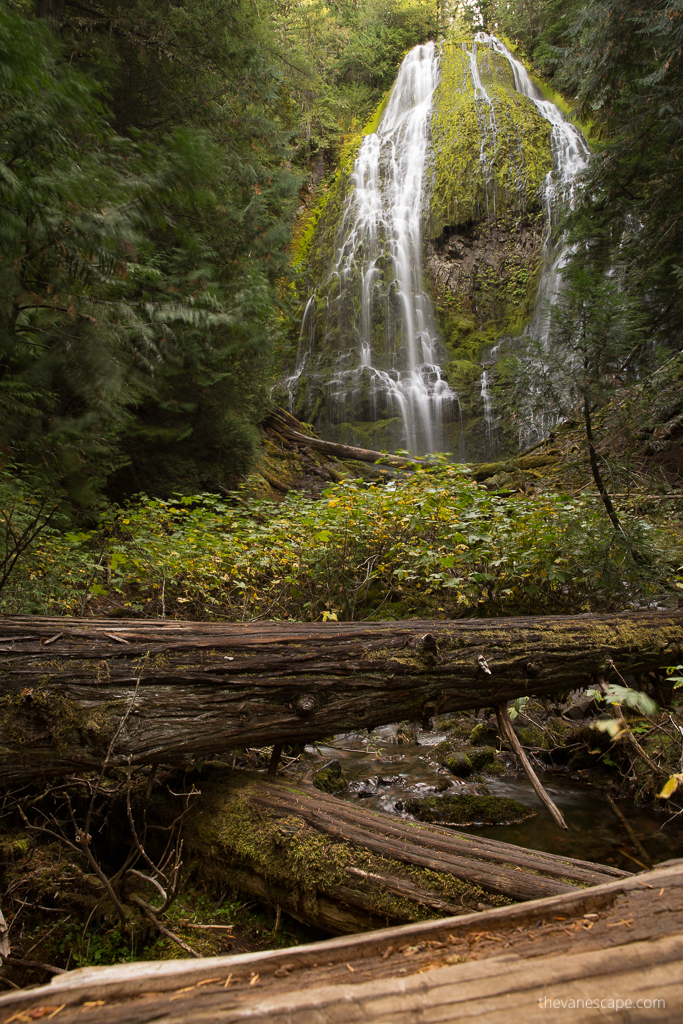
<point x="78" y="693"/>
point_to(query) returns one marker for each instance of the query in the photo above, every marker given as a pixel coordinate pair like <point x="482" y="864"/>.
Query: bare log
<point x="341" y="867"/>
<point x="202" y="688"/>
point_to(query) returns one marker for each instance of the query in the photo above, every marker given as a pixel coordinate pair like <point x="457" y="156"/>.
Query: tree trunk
<point x="76" y="693"/>
<point x="595" y="469"/>
<point x="288" y="428"/>
<point x="335" y="865"/>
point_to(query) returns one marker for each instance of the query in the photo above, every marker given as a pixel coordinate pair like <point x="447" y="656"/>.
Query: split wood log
<point x="548" y="960"/>
<point x="338" y="866"/>
<point x="189" y="689"/>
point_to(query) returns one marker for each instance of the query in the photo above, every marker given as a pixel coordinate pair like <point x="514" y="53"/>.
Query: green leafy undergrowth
<point x="434" y="544"/>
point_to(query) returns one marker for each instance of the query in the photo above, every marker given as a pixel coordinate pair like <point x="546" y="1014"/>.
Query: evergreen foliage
<point x="140" y="270"/>
<point x="625" y="63"/>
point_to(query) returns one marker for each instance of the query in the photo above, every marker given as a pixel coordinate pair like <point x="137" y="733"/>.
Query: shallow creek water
<point x="382" y="774"/>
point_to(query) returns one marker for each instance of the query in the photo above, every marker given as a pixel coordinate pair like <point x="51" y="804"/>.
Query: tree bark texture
<point x="75" y="692"/>
<point x="622" y="940"/>
<point x="336" y="865"/>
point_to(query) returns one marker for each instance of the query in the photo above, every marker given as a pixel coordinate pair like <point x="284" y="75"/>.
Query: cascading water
<point x="570" y="156"/>
<point x="368" y="368"/>
<point x="379" y="321"/>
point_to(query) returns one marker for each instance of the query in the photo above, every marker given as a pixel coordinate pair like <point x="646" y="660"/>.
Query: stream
<point x="383" y="774"/>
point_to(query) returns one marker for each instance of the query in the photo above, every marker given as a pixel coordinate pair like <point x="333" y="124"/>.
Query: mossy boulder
<point x="481" y="758"/>
<point x="442" y="749"/>
<point x="531" y="736"/>
<point x="467" y="809"/>
<point x="458" y="764"/>
<point x="490" y="157"/>
<point x="330" y="778"/>
<point x="483" y="734"/>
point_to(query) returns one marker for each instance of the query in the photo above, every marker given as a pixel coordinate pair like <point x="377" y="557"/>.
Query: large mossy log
<point x="343" y="868"/>
<point x="76" y="692"/>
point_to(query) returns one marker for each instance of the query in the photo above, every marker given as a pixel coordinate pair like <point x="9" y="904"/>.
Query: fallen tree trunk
<point x="288" y="428"/>
<point x="76" y="693"/>
<point x="338" y="866"/>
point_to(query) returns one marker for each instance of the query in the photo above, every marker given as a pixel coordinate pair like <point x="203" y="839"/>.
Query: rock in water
<point x="469" y="810"/>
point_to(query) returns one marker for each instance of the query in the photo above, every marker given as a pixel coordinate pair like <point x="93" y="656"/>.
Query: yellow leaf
<point x="670" y="786"/>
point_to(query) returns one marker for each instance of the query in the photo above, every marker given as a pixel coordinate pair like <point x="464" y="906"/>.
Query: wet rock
<point x="364" y="788"/>
<point x="330" y="778"/>
<point x="483" y="734"/>
<point x="390" y="780"/>
<point x="467" y="809"/>
<point x="443" y="749"/>
<point x="458" y="764"/>
<point x="481" y="757"/>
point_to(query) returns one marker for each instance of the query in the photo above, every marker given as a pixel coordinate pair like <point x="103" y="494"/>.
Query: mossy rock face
<point x="481" y="757"/>
<point x="483" y="734"/>
<point x="531" y="736"/>
<point x="458" y="764"/>
<point x="485" y="226"/>
<point x="469" y="810"/>
<point x="330" y="778"/>
<point x="443" y="749"/>
<point x="491" y="154"/>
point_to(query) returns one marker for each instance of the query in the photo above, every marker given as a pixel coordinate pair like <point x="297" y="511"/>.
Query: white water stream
<point x="570" y="156"/>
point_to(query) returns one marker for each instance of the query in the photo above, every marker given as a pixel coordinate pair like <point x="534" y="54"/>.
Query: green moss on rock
<point x="489" y="160"/>
<point x="467" y="809"/>
<point x="330" y="778"/>
<point x="483" y="733"/>
<point x="481" y="757"/>
<point x="458" y="764"/>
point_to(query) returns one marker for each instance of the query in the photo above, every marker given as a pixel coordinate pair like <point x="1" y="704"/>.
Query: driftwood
<point x="188" y="689"/>
<point x="338" y="866"/>
<point x="586" y="949"/>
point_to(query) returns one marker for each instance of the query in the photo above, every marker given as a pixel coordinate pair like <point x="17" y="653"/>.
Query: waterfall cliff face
<point x="460" y="178"/>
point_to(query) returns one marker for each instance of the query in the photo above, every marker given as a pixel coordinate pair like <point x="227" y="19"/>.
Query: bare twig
<point x="152" y="881"/>
<point x="149" y="913"/>
<point x="16" y="962"/>
<point x="507" y="732"/>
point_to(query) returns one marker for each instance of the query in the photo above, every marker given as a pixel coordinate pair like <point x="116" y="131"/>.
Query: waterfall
<point x="369" y="358"/>
<point x="570" y="156"/>
<point x="485" y="395"/>
<point x="380" y="324"/>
